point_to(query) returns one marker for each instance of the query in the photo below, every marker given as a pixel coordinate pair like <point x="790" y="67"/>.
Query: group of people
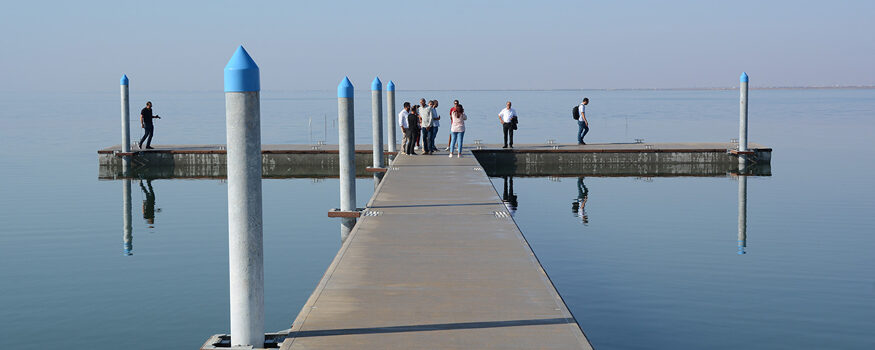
<point x="420" y="124"/>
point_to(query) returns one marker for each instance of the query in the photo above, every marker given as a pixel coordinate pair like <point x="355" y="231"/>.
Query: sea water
<point x="648" y="263"/>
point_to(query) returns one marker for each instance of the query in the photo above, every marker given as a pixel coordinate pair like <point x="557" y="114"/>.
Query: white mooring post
<point x="245" y="244"/>
<point x="126" y="123"/>
<point x="742" y="120"/>
<point x="346" y="143"/>
<point x="377" y="117"/>
<point x="390" y="116"/>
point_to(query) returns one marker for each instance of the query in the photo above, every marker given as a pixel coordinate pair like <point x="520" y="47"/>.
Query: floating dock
<point x="605" y="159"/>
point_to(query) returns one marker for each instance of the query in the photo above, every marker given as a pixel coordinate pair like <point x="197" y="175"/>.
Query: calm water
<point x="654" y="265"/>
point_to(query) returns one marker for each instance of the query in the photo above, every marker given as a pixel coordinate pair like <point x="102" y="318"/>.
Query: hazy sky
<point x="177" y="45"/>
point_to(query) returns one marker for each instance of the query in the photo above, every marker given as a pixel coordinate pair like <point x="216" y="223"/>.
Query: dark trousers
<point x="432" y="137"/>
<point x="582" y="129"/>
<point x="411" y="140"/>
<point x="508" y="132"/>
<point x="150" y="129"/>
<point x="426" y="139"/>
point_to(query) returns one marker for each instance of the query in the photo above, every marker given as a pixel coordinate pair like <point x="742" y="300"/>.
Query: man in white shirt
<point x="435" y="124"/>
<point x="582" y="124"/>
<point x="506" y="117"/>
<point x="402" y="122"/>
<point x="425" y="120"/>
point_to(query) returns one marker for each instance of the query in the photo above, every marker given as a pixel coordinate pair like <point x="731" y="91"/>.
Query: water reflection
<point x="128" y="228"/>
<point x="578" y="207"/>
<point x="742" y="214"/>
<point x="378" y="177"/>
<point x="346" y="225"/>
<point x="149" y="203"/>
<point x="508" y="196"/>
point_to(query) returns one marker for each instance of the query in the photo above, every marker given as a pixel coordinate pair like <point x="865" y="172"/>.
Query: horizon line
<point x="813" y="87"/>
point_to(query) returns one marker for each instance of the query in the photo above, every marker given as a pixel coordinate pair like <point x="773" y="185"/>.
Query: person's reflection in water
<point x="578" y="207"/>
<point x="508" y="197"/>
<point x="149" y="203"/>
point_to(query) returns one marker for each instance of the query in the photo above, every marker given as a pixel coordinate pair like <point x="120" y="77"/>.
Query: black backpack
<point x="575" y="112"/>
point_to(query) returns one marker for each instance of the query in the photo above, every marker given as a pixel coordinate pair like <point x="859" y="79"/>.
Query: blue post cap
<point x="124" y="80"/>
<point x="345" y="88"/>
<point x="743" y="78"/>
<point x="241" y="73"/>
<point x="390" y="86"/>
<point x="377" y="85"/>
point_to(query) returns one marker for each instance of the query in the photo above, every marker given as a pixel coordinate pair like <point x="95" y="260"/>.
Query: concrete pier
<point x="126" y="121"/>
<point x="390" y="116"/>
<point x="346" y="153"/>
<point x="245" y="232"/>
<point x="743" y="158"/>
<point x="377" y="121"/>
<point x="445" y="268"/>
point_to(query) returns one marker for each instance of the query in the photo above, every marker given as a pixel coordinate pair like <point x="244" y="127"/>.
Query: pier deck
<point x="435" y="262"/>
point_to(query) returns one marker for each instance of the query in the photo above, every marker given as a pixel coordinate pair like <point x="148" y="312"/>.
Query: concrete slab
<point x="436" y="267"/>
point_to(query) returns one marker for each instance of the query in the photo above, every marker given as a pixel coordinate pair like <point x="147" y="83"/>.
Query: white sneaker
<point x="451" y="155"/>
<point x="446" y="149"/>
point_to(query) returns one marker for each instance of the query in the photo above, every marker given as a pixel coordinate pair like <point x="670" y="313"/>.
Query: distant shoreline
<point x="843" y="87"/>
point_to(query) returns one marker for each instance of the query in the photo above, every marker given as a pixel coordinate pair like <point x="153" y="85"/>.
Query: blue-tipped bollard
<point x="346" y="143"/>
<point x="126" y="122"/>
<point x="245" y="240"/>
<point x="742" y="213"/>
<point x="742" y="120"/>
<point x="377" y="117"/>
<point x="126" y="219"/>
<point x="390" y="116"/>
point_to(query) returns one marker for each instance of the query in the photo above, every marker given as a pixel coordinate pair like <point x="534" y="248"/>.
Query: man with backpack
<point x="579" y="113"/>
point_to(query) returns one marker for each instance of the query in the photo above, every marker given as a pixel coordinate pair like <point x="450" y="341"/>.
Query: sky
<point x="85" y="46"/>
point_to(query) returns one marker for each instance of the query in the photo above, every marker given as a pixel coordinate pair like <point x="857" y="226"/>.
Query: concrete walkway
<point x="435" y="263"/>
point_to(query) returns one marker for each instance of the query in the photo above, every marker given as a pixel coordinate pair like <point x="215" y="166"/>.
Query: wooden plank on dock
<point x="441" y="266"/>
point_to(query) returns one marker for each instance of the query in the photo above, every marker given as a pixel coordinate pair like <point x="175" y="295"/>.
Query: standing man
<point x="412" y="131"/>
<point x="582" y="124"/>
<point x="402" y="122"/>
<point x="506" y="117"/>
<point x="146" y="123"/>
<point x="425" y="118"/>
<point x="436" y="123"/>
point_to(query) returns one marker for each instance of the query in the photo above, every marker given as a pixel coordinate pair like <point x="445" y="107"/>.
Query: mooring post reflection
<point x="126" y="218"/>
<point x="742" y="214"/>
<point x="578" y="207"/>
<point x="378" y="177"/>
<point x="508" y="196"/>
<point x="148" y="203"/>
